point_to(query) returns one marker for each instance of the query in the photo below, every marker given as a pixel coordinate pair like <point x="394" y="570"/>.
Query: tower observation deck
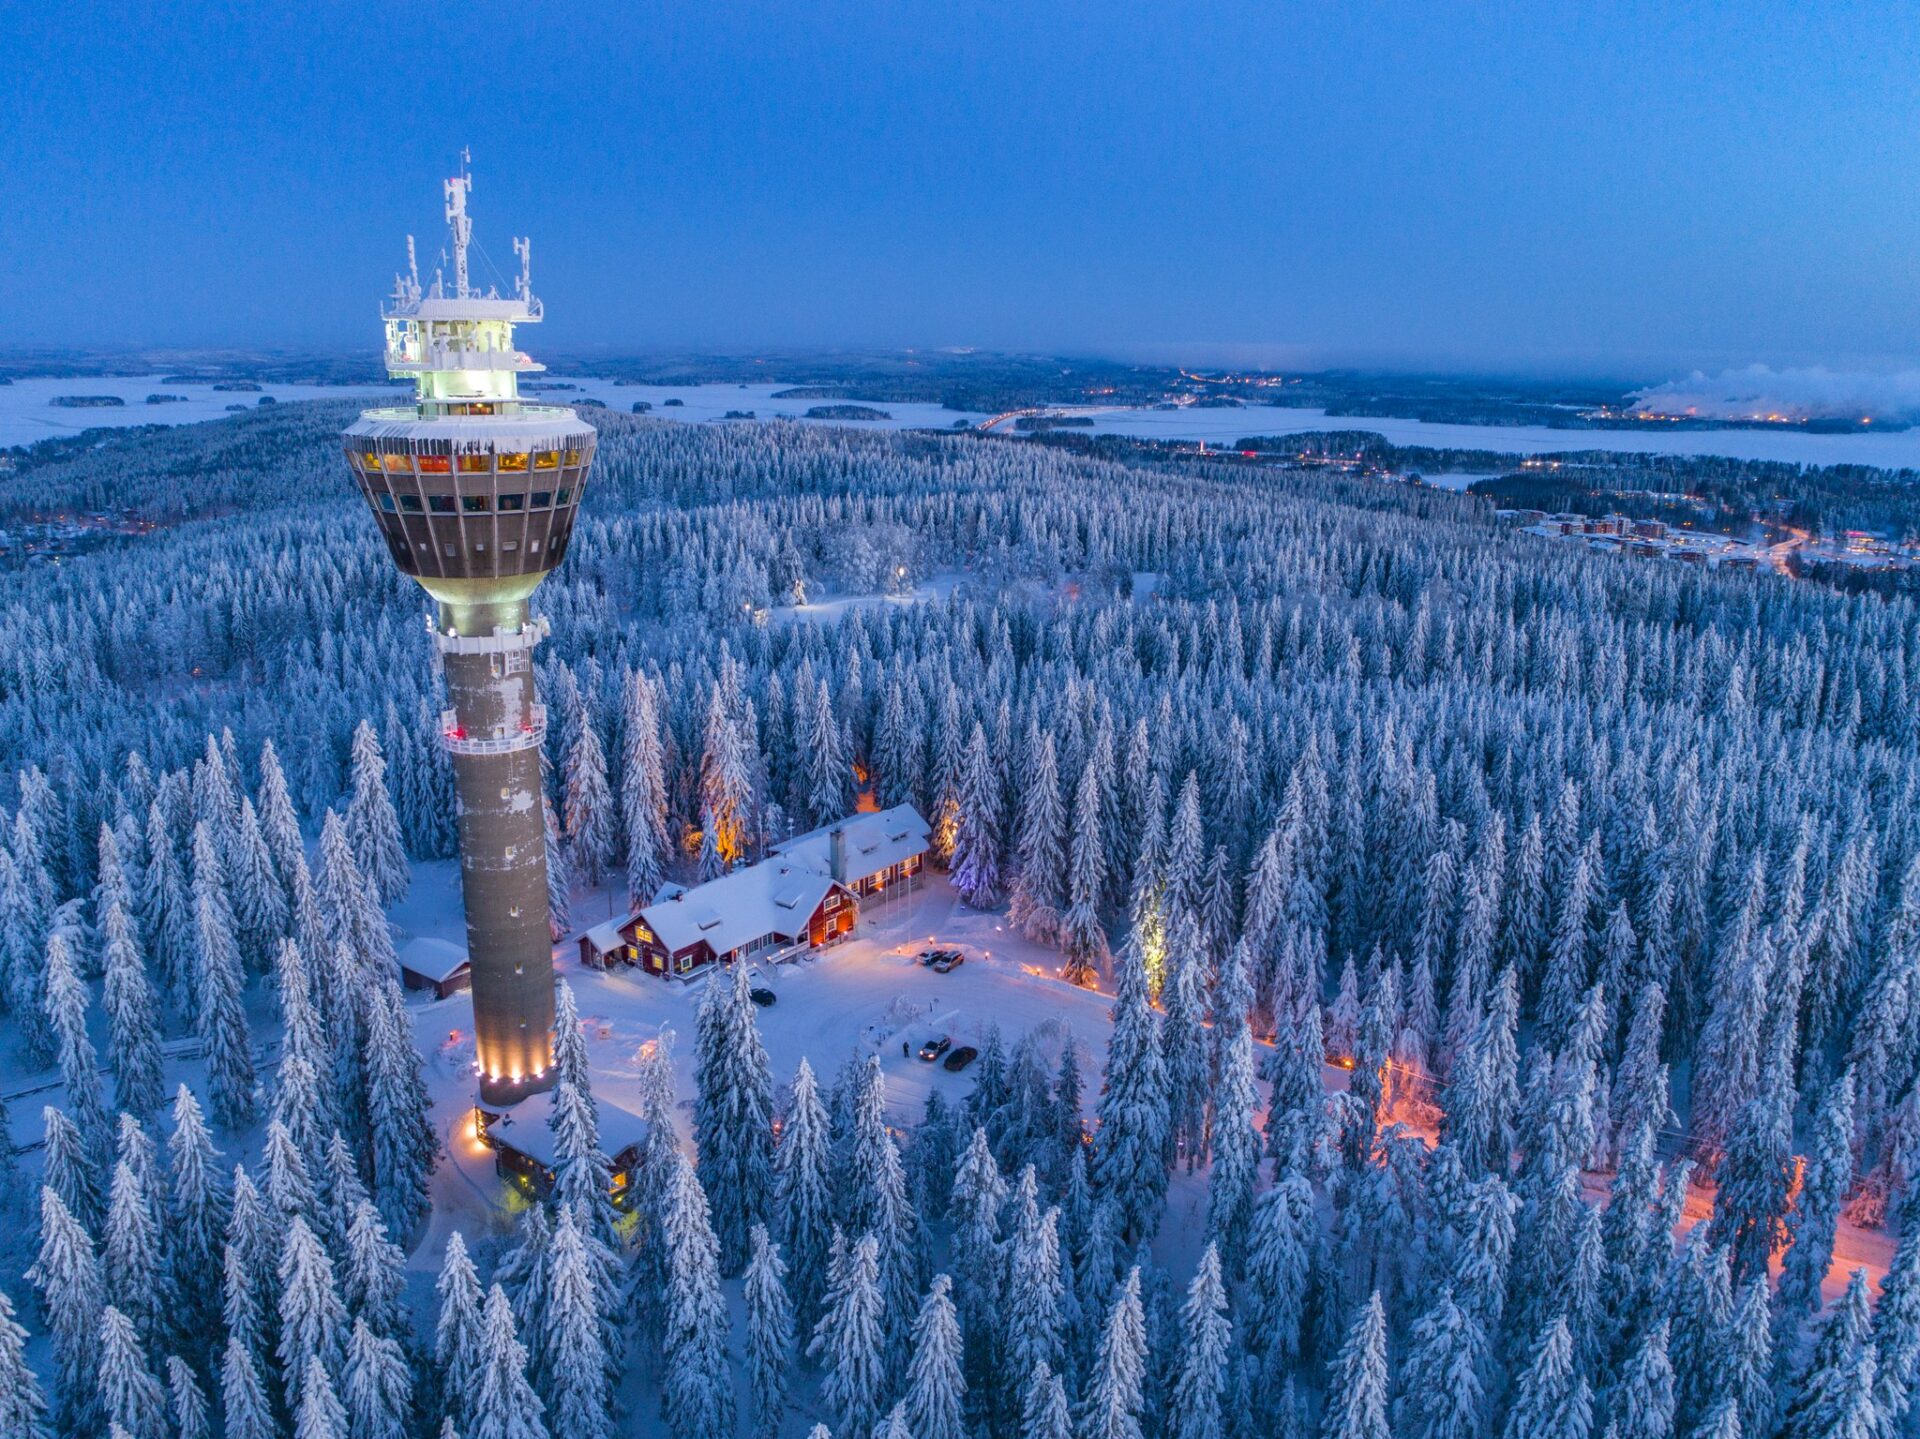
<point x="475" y="492"/>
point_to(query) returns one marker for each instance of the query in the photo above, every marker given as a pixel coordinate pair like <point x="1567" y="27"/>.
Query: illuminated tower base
<point x="475" y="494"/>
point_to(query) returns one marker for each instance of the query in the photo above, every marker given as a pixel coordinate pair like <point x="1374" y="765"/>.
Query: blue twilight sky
<point x="1626" y="187"/>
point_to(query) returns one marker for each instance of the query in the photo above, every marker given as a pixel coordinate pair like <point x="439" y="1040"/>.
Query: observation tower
<point x="475" y="494"/>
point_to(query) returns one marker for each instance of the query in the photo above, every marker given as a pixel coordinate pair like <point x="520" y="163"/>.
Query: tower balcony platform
<point x="529" y="735"/>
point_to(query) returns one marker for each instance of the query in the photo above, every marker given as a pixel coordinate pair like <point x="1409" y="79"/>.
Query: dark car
<point x="960" y="1058"/>
<point x="936" y="1047"/>
<point x="945" y="961"/>
<point x="762" y="997"/>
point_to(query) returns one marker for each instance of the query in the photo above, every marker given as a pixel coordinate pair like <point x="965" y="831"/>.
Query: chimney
<point x="837" y="853"/>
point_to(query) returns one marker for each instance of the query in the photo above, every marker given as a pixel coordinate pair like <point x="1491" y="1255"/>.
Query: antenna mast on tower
<point x="458" y="188"/>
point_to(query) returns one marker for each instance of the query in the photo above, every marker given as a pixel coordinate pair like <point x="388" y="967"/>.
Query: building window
<point x="833" y="901"/>
<point x="513" y="502"/>
<point x="516" y="461"/>
<point x="440" y="504"/>
<point x="474" y="504"/>
<point x="435" y="464"/>
<point x="565" y="495"/>
<point x="474" y="465"/>
<point x="410" y="504"/>
<point x="542" y="499"/>
<point x="386" y="501"/>
<point x="398" y="463"/>
<point x="546" y="460"/>
<point x="573" y="457"/>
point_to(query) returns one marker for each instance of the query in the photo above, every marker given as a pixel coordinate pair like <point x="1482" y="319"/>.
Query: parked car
<point x="762" y="997"/>
<point x="936" y="1047"/>
<point x="960" y="1058"/>
<point x="945" y="961"/>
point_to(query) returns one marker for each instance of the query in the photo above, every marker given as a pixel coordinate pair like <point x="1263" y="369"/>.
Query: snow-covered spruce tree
<point x="649" y="1268"/>
<point x="457" y="1338"/>
<point x="1280" y="1259"/>
<point x="1035" y="1289"/>
<point x="259" y="900"/>
<point x="1116" y="1390"/>
<point x="503" y="1404"/>
<point x="733" y="1113"/>
<point x="697" y="1393"/>
<point x="849" y="1344"/>
<point x="876" y="1201"/>
<point x="1551" y="1400"/>
<point x="643" y="793"/>
<point x="769" y="1334"/>
<point x="978" y="1195"/>
<point x="313" y="1321"/>
<point x="588" y="808"/>
<point x="373" y="1277"/>
<point x="129" y="1394"/>
<point x="975" y="861"/>
<point x="1896" y="1329"/>
<point x="376" y="1386"/>
<point x="1043" y="1407"/>
<point x="1130" y="1144"/>
<point x="66" y="999"/>
<point x="249" y="1293"/>
<point x="405" y="1146"/>
<point x="133" y="1029"/>
<point x="935" y="1386"/>
<point x="1183" y="1039"/>
<point x="67" y="1274"/>
<point x="220" y="1009"/>
<point x="1235" y="1175"/>
<point x="1641" y="1404"/>
<point x="1442" y="1389"/>
<point x="803" y="1195"/>
<point x="559" y="878"/>
<point x="318" y="1414"/>
<point x="1206" y="1347"/>
<point x="23" y="1408"/>
<point x="373" y="829"/>
<point x="1082" y="936"/>
<point x="187" y="1401"/>
<point x="135" y="1278"/>
<point x="244" y="1406"/>
<point x="23" y="926"/>
<point x="1816" y="1212"/>
<point x="1039" y="888"/>
<point x="573" y="1340"/>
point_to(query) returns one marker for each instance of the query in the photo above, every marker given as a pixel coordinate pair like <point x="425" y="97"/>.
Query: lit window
<point x="434" y="464"/>
<point x="370" y="460"/>
<point x="400" y="464"/>
<point x="474" y="504"/>
<point x="546" y="460"/>
<point x="516" y="461"/>
<point x="573" y="457"/>
<point x="474" y="465"/>
<point x="513" y="502"/>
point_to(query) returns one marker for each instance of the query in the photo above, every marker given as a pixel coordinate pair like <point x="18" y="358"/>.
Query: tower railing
<point x="530" y="734"/>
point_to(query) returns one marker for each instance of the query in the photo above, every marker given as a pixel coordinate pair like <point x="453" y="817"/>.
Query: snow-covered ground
<point x="28" y="414"/>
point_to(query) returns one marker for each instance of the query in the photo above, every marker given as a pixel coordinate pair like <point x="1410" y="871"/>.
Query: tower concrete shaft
<point x="475" y="493"/>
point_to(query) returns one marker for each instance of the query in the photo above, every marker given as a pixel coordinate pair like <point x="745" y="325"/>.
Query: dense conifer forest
<point x="1598" y="881"/>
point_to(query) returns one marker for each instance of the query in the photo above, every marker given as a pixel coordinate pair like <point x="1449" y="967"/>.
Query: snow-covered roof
<point x="775" y="896"/>
<point x="435" y="959"/>
<point x="606" y="937"/>
<point x="527" y="1128"/>
<point x="875" y="840"/>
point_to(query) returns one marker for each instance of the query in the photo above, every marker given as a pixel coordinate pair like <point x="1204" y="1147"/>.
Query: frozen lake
<point x="27" y="414"/>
